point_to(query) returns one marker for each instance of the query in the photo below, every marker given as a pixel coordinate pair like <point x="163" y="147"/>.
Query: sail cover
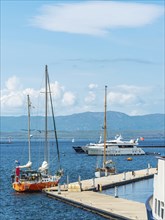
<point x="28" y="165"/>
<point x="43" y="167"/>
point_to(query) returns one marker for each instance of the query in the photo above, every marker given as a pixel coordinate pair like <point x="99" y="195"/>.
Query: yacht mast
<point x="54" y="124"/>
<point x="46" y="115"/>
<point x="29" y="144"/>
<point x="105" y="126"/>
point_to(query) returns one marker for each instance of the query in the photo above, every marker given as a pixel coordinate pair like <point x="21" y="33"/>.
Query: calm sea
<point x="38" y="206"/>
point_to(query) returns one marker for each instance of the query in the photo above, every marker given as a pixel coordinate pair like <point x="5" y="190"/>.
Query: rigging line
<point x="54" y="124"/>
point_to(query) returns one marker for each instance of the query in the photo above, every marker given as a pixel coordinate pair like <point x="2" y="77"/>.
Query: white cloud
<point x="14" y="99"/>
<point x="57" y="90"/>
<point x="90" y="98"/>
<point x="95" y="17"/>
<point x="92" y="86"/>
<point x="136" y="112"/>
<point x="68" y="99"/>
<point x="118" y="98"/>
<point x="133" y="89"/>
<point x="131" y="95"/>
<point x="31" y="92"/>
<point x="12" y="83"/>
<point x="130" y="99"/>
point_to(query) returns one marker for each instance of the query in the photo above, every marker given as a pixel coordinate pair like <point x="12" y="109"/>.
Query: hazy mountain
<point x="87" y="121"/>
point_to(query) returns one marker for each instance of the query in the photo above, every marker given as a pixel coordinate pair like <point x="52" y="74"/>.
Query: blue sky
<point x="86" y="45"/>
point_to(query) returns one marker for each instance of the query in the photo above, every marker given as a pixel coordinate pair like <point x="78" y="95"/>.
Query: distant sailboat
<point x="73" y="140"/>
<point x="108" y="167"/>
<point x="25" y="179"/>
<point x="6" y="142"/>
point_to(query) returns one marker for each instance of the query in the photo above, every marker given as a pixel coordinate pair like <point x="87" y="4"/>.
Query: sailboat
<point x="108" y="167"/>
<point x="25" y="179"/>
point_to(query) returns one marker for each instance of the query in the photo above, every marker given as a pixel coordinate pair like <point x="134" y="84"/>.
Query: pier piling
<point x="59" y="190"/>
<point x="116" y="192"/>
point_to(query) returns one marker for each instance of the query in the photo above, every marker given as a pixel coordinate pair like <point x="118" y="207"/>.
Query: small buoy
<point x="129" y="158"/>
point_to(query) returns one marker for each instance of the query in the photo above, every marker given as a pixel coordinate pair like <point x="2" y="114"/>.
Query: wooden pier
<point x="82" y="194"/>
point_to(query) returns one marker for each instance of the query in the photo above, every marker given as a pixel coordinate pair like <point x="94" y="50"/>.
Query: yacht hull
<point x="33" y="187"/>
<point x="79" y="149"/>
<point x="110" y="151"/>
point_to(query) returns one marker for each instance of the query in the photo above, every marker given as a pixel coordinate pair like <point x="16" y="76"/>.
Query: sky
<point x="86" y="45"/>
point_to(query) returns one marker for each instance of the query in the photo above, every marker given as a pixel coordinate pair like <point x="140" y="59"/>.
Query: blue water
<point x="37" y="205"/>
<point x="138" y="191"/>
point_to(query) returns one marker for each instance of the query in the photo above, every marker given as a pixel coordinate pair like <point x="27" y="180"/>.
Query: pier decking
<point x="82" y="194"/>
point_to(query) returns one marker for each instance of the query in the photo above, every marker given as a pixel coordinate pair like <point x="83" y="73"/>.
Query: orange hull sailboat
<point x="32" y="185"/>
<point x="33" y="181"/>
<point x="24" y="178"/>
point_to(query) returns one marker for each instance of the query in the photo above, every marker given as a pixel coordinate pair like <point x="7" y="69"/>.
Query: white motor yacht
<point x="118" y="146"/>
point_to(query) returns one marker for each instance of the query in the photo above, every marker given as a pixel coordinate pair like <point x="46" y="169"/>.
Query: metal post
<point x="93" y="182"/>
<point x="116" y="192"/>
<point x="124" y="176"/>
<point x="67" y="180"/>
<point x="59" y="190"/>
<point x="147" y="171"/>
<point x="79" y="179"/>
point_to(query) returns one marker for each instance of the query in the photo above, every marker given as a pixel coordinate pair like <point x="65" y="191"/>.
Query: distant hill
<point x="88" y="121"/>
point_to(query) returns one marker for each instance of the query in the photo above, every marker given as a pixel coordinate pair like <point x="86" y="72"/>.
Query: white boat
<point x="99" y="143"/>
<point x="117" y="147"/>
<point x="108" y="167"/>
<point x="155" y="205"/>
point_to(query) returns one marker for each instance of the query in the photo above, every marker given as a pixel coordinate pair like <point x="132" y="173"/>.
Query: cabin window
<point x="156" y="206"/>
<point x="125" y="146"/>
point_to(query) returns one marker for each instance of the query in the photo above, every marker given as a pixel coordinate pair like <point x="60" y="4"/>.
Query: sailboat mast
<point x="46" y="115"/>
<point x="105" y="126"/>
<point x="29" y="144"/>
<point x="54" y="124"/>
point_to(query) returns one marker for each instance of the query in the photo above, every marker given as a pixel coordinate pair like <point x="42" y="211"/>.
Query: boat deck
<point x="83" y="194"/>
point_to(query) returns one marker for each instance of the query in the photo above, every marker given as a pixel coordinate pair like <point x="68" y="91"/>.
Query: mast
<point x="54" y="124"/>
<point x="105" y="126"/>
<point x="29" y="145"/>
<point x="46" y="116"/>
